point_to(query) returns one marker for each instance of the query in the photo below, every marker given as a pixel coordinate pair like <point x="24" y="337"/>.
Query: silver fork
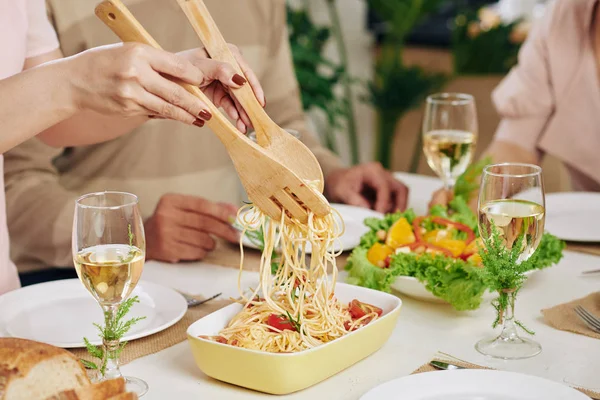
<point x="592" y="322"/>
<point x="193" y="302"/>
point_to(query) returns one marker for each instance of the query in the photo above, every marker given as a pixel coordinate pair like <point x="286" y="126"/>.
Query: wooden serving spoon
<point x="271" y="185"/>
<point x="268" y="134"/>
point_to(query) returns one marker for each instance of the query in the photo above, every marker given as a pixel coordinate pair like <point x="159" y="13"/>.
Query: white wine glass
<point x="449" y="134"/>
<point x="512" y="202"/>
<point x="109" y="252"/>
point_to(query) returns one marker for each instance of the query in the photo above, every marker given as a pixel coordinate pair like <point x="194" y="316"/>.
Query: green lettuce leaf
<point x="548" y="253"/>
<point x="462" y="213"/>
<point x="468" y="183"/>
<point x="362" y="273"/>
<point x="455" y="281"/>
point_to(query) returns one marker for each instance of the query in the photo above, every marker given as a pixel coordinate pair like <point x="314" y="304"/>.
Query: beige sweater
<point x="160" y="157"/>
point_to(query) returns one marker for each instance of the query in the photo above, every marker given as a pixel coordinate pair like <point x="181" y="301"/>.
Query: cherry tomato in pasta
<point x="358" y="309"/>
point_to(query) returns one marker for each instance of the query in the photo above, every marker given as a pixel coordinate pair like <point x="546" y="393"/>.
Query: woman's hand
<point x="219" y="93"/>
<point x="128" y="80"/>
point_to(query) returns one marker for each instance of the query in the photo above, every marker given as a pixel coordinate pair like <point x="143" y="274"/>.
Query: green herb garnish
<point x="257" y="238"/>
<point x="503" y="273"/>
<point x="295" y="322"/>
<point x="113" y="330"/>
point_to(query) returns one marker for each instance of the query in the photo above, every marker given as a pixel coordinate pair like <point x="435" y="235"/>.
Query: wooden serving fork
<point x="268" y="134"/>
<point x="271" y="186"/>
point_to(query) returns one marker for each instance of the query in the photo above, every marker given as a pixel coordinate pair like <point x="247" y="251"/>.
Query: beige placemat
<point x="465" y="364"/>
<point x="162" y="340"/>
<point x="563" y="316"/>
<point x="593" y="249"/>
<point x="428" y="368"/>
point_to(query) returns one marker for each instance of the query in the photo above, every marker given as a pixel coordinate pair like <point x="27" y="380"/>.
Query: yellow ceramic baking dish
<point x="287" y="373"/>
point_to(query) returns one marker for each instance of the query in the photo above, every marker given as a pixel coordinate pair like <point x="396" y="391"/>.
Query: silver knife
<point x="444" y="365"/>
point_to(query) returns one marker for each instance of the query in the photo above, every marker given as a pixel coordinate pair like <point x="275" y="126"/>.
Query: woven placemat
<point x="159" y="341"/>
<point x="465" y="364"/>
<point x="428" y="368"/>
<point x="563" y="316"/>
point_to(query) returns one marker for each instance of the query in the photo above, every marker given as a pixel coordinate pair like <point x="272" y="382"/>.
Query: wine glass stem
<point x="449" y="184"/>
<point x="111" y="346"/>
<point x="509" y="328"/>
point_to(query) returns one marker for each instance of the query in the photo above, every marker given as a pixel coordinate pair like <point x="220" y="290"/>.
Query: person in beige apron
<point x="92" y="97"/>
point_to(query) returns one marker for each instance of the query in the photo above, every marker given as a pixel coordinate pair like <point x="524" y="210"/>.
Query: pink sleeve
<point x="41" y="37"/>
<point x="524" y="99"/>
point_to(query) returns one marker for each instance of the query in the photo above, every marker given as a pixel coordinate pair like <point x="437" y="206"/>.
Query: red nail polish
<point x="205" y="115"/>
<point x="199" y="123"/>
<point x="238" y="79"/>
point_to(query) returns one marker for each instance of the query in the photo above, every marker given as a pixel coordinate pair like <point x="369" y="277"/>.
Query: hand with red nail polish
<point x="223" y="77"/>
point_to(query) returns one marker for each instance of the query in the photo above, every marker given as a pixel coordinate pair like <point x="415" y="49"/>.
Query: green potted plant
<point x="319" y="76"/>
<point x="396" y="87"/>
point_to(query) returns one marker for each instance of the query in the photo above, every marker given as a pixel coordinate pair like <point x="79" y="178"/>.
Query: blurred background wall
<point x="452" y="45"/>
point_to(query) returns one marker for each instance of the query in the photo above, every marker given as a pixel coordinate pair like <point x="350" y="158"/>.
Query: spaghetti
<point x="295" y="308"/>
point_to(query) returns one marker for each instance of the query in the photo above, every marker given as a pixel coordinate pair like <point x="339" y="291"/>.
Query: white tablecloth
<point x="422" y="329"/>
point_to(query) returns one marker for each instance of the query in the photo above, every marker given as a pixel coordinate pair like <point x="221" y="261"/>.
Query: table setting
<point x="427" y="302"/>
<point x="165" y="360"/>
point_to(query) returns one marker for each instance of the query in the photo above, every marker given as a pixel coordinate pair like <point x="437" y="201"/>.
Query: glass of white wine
<point x="512" y="203"/>
<point x="449" y="134"/>
<point x="108" y="252"/>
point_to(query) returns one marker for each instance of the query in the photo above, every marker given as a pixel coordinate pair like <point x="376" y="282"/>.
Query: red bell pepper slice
<point x="457" y="225"/>
<point x="417" y="229"/>
<point x="444" y="222"/>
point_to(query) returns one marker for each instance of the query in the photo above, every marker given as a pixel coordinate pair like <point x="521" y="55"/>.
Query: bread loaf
<point x="113" y="389"/>
<point x="31" y="370"/>
<point x="36" y="371"/>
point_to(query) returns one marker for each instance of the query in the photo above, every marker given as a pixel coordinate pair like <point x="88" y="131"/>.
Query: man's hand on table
<point x="367" y="185"/>
<point x="182" y="228"/>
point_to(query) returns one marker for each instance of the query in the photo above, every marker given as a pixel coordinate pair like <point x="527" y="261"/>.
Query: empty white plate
<point x="473" y="385"/>
<point x="574" y="216"/>
<point x="62" y="313"/>
<point x="353" y="218"/>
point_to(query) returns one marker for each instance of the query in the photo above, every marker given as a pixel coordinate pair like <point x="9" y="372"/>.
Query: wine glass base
<point x="512" y="348"/>
<point x="136" y="385"/>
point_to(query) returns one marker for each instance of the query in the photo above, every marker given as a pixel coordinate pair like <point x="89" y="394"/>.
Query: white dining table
<point x="422" y="329"/>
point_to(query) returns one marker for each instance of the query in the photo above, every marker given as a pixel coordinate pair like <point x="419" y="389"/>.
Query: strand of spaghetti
<point x="299" y="293"/>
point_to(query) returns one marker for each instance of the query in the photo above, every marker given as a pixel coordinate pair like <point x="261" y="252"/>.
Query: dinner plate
<point x="574" y="216"/>
<point x="353" y="218"/>
<point x="473" y="385"/>
<point x="62" y="313"/>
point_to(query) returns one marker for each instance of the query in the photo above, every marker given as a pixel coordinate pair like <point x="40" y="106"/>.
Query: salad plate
<point x="473" y="385"/>
<point x="62" y="313"/>
<point x="574" y="216"/>
<point x="353" y="218"/>
<point x="432" y="257"/>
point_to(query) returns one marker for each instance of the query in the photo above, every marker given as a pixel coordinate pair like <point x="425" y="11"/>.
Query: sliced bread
<point x="111" y="389"/>
<point x="31" y="370"/>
